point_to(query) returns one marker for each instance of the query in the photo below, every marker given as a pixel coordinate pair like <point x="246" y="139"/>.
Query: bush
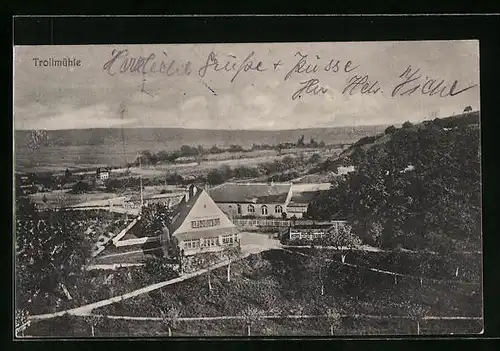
<point x="215" y="177"/>
<point x="80" y="188"/>
<point x="407" y="124"/>
<point x="315" y="158"/>
<point x="390" y="130"/>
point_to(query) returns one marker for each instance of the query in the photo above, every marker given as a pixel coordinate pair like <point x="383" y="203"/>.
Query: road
<point x="87" y="309"/>
<point x="254" y="243"/>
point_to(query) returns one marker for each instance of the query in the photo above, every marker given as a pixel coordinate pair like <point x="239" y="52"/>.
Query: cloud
<point x="68" y="117"/>
<point x="88" y="97"/>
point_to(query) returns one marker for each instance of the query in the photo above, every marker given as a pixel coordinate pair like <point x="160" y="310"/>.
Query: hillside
<point x="279" y="283"/>
<point x="418" y="187"/>
<point x="365" y="143"/>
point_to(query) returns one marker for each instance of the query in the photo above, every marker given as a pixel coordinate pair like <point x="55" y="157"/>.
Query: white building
<point x="239" y="200"/>
<point x="199" y="225"/>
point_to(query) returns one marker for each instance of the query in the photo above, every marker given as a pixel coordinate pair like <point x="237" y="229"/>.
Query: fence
<point x="262" y="223"/>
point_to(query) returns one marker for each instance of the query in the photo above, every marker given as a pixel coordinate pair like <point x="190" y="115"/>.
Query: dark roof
<point x="304" y="197"/>
<point x="211" y="233"/>
<point x="183" y="209"/>
<point x="250" y="193"/>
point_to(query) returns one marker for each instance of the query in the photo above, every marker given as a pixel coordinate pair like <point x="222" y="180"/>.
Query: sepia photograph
<point x="327" y="189"/>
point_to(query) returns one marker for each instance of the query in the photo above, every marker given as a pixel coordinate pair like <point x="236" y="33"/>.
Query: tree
<point x="417" y="313"/>
<point x="67" y="174"/>
<point x="215" y="177"/>
<point x="251" y="315"/>
<point x="390" y="130"/>
<point x="200" y="153"/>
<point x="154" y="218"/>
<point x="215" y="150"/>
<point x="170" y="318"/>
<point x="230" y="252"/>
<point x="343" y="239"/>
<point x="21" y="320"/>
<point x="468" y="109"/>
<point x="159" y="269"/>
<point x="279" y="149"/>
<point x="407" y="124"/>
<point x="315" y="158"/>
<point x="316" y="263"/>
<point x="313" y="143"/>
<point x="80" y="188"/>
<point x="44" y="199"/>
<point x="50" y="248"/>
<point x="300" y="141"/>
<point x="209" y="258"/>
<point x="334" y="319"/>
<point x="93" y="321"/>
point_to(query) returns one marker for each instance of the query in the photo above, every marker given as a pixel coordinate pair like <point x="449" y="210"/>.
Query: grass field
<point x="78" y="327"/>
<point x="115" y="147"/>
<point x="279" y="283"/>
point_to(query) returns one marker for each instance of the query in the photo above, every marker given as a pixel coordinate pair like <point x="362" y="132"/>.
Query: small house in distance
<point x="198" y="225"/>
<point x="102" y="174"/>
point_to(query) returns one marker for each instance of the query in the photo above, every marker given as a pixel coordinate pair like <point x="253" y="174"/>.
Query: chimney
<point x="192" y="190"/>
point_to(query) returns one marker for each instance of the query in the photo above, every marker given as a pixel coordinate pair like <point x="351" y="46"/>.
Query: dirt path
<point x="134" y="318"/>
<point x="86" y="309"/>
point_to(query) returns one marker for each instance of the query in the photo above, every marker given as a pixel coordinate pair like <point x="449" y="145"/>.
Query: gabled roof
<point x="182" y="210"/>
<point x="250" y="193"/>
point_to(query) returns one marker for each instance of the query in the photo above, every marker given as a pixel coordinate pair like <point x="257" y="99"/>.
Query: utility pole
<point x="140" y="179"/>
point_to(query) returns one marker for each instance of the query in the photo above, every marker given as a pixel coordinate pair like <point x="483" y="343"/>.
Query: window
<point x="204" y="223"/>
<point x="227" y="239"/>
<point x="251" y="209"/>
<point x="191" y="244"/>
<point x="239" y="209"/>
<point x="278" y="209"/>
<point x="209" y="242"/>
<point x="264" y="210"/>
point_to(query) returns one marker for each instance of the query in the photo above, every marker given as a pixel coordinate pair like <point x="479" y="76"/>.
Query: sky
<point x="88" y="96"/>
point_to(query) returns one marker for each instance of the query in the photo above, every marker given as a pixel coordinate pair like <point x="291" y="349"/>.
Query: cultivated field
<point x="99" y="147"/>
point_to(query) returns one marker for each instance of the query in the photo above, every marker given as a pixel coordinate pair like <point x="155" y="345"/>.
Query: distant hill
<point x="112" y="146"/>
<point x="172" y="137"/>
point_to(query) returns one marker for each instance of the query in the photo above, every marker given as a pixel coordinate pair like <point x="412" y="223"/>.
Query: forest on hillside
<point x="419" y="189"/>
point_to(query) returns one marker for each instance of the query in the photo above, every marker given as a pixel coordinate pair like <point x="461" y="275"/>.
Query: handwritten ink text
<point x="413" y="82"/>
<point x="231" y="65"/>
<point x="309" y="87"/>
<point x="362" y="85"/>
<point x="122" y="62"/>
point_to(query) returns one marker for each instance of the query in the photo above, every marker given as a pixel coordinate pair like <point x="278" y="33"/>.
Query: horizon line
<point x="207" y="129"/>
